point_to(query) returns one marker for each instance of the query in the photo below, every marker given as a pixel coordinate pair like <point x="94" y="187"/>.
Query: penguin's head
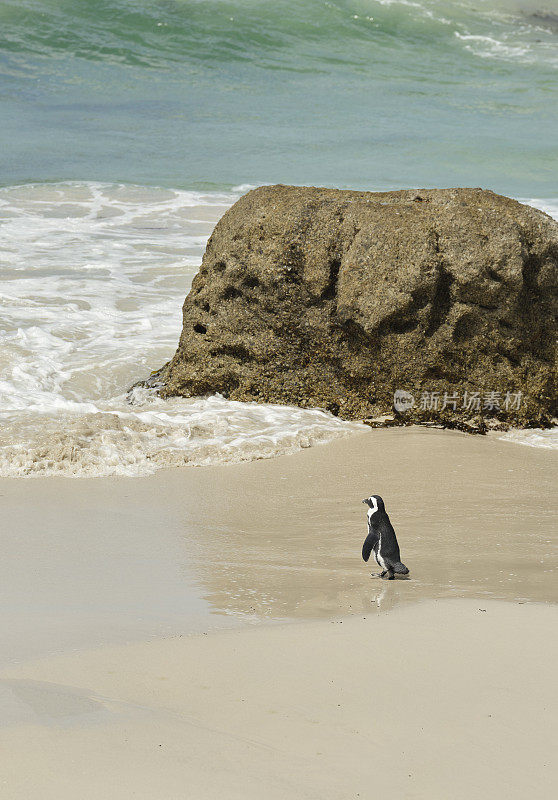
<point x="374" y="502"/>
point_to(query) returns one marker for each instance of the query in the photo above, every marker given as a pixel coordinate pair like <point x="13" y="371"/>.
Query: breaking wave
<point x="92" y="285"/>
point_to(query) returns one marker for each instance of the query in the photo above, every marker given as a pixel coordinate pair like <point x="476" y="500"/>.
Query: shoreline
<point x="115" y="559"/>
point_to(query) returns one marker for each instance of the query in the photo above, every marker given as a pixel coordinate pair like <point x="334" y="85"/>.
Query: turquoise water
<point x="209" y="94"/>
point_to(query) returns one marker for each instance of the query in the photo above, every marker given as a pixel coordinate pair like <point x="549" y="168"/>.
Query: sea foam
<point x="93" y="280"/>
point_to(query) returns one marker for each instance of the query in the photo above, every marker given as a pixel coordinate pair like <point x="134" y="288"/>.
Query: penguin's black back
<point x="381" y="534"/>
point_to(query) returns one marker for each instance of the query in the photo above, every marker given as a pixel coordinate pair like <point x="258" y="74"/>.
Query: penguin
<point x="382" y="539"/>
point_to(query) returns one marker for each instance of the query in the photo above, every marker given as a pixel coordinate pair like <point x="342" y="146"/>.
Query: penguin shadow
<point x="384" y="577"/>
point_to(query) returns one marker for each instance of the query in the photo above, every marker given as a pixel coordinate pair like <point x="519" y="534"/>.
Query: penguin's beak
<point x="365" y="501"/>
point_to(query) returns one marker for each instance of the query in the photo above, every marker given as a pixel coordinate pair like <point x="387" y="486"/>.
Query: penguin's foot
<point x="382" y="574"/>
<point x="390" y="574"/>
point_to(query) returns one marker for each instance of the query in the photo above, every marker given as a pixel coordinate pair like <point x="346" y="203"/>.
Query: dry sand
<point x="439" y="700"/>
<point x="116" y="681"/>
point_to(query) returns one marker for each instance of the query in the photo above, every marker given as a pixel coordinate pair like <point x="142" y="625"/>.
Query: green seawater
<point x="216" y="93"/>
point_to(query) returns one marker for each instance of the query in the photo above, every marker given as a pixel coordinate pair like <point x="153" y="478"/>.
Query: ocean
<point x="129" y="127"/>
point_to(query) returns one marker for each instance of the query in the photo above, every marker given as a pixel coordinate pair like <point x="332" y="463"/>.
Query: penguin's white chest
<point x="379" y="560"/>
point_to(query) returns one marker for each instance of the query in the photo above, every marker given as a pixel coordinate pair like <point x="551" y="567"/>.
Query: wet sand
<point x="107" y="560"/>
<point x="98" y="701"/>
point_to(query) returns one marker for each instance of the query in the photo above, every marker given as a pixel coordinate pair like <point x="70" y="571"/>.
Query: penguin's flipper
<point x="369" y="543"/>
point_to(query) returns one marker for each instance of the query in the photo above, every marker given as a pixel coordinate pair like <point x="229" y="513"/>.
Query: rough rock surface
<point x="335" y="299"/>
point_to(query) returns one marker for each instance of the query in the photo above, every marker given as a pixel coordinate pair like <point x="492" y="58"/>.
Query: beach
<point x="196" y="326"/>
<point x="212" y="631"/>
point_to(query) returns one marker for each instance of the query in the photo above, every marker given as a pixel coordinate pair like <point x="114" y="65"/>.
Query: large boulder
<point x="336" y="299"/>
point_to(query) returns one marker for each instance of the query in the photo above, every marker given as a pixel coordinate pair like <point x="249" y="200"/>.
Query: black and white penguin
<point x="382" y="539"/>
